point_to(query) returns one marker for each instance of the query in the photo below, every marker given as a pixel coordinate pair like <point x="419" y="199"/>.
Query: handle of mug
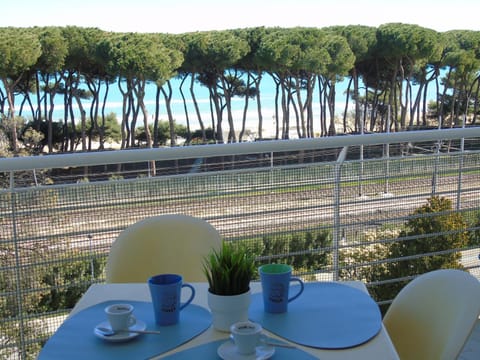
<point x="300" y="291"/>
<point x="192" y="295"/>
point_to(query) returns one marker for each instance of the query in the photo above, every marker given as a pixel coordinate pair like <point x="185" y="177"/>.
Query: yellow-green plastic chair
<point x="433" y="315"/>
<point x="161" y="244"/>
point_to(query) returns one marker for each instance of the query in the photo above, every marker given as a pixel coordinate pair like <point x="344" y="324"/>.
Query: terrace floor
<point x="471" y="351"/>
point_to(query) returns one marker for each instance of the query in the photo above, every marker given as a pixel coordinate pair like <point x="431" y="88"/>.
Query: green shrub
<point x="304" y="251"/>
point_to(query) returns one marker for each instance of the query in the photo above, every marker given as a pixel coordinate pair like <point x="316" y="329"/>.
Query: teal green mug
<point x="276" y="279"/>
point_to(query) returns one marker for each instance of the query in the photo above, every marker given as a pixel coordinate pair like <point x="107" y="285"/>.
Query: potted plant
<point x="229" y="271"/>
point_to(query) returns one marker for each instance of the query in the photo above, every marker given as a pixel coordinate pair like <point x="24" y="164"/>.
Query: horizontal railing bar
<point x="204" y="151"/>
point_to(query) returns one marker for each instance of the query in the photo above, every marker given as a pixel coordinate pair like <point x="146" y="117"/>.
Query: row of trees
<point x="389" y="70"/>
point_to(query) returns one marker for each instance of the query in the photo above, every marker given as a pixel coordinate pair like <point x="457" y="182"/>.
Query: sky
<point x="180" y="16"/>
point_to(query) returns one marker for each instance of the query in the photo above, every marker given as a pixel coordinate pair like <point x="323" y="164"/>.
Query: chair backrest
<point x="162" y="244"/>
<point x="433" y="315"/>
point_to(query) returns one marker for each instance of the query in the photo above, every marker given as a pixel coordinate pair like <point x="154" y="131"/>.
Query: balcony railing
<point x="381" y="208"/>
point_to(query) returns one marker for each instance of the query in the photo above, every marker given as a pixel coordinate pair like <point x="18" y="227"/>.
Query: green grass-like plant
<point x="229" y="270"/>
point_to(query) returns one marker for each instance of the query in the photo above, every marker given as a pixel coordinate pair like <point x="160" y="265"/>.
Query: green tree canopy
<point x="20" y="49"/>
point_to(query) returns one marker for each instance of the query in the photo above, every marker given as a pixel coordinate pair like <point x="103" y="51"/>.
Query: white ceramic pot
<point x="227" y="310"/>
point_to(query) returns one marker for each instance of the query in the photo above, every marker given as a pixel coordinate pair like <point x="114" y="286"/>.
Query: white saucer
<point x="228" y="351"/>
<point x="120" y="337"/>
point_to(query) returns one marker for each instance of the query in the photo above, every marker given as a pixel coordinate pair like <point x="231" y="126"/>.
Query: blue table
<point x="379" y="347"/>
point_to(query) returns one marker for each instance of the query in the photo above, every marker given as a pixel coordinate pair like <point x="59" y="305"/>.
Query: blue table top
<point x="327" y="315"/>
<point x="75" y="338"/>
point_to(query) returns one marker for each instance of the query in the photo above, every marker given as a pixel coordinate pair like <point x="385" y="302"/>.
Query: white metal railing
<point x="157" y="154"/>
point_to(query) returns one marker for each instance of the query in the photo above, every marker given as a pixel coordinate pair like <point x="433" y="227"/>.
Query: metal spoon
<point x="272" y="342"/>
<point x="109" y="332"/>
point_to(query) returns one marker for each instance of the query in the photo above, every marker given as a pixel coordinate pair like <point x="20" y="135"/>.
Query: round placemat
<point x="75" y="338"/>
<point x="327" y="315"/>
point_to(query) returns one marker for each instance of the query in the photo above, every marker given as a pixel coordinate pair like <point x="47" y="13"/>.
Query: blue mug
<point x="276" y="279"/>
<point x="165" y="290"/>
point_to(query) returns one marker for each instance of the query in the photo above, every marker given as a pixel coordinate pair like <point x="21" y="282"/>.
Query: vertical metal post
<point x="92" y="260"/>
<point x="435" y="167"/>
<point x="360" y="176"/>
<point x="438" y="146"/>
<point x="336" y="216"/>
<point x="386" y="190"/>
<point x="18" y="275"/>
<point x="271" y="170"/>
<point x="460" y="167"/>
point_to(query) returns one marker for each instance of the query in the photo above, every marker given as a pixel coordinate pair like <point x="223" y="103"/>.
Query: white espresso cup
<point x="120" y="316"/>
<point x="246" y="336"/>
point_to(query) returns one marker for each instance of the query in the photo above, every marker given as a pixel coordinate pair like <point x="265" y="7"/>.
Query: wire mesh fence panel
<point x="363" y="216"/>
